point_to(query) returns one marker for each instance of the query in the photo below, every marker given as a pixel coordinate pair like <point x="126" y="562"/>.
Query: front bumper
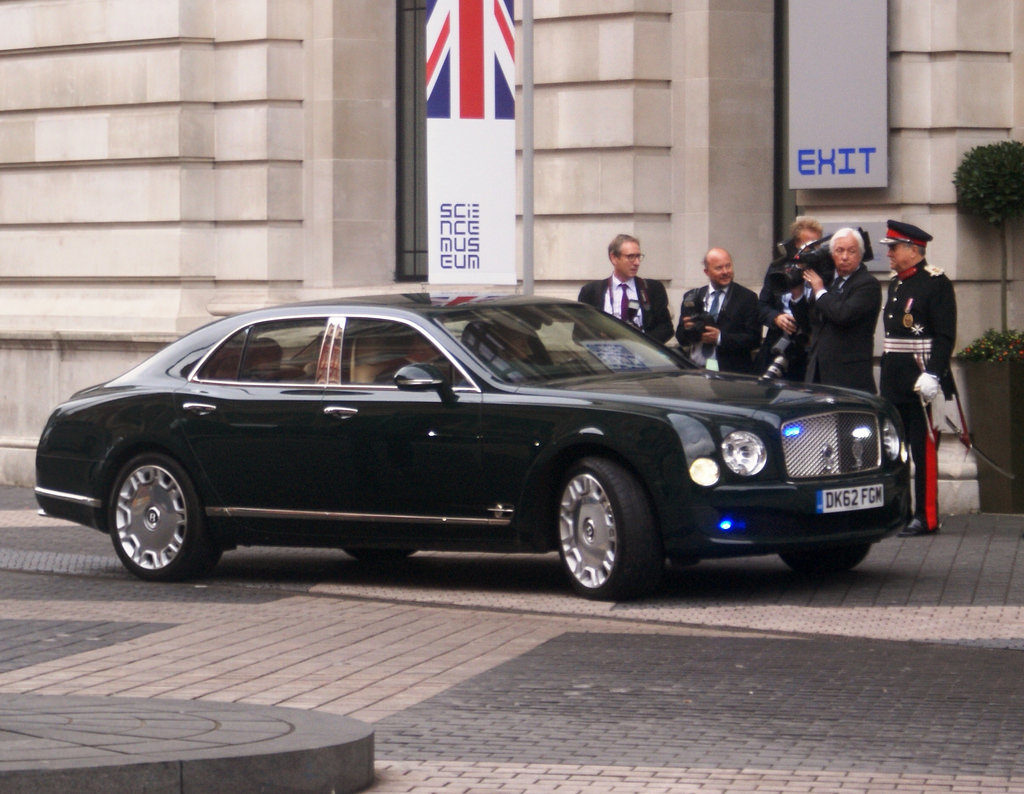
<point x="738" y="520"/>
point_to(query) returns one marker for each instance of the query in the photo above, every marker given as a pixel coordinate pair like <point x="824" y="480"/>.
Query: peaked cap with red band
<point x="899" y="232"/>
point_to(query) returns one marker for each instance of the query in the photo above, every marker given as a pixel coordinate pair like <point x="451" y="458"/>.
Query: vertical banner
<point x="471" y="146"/>
<point x="838" y="93"/>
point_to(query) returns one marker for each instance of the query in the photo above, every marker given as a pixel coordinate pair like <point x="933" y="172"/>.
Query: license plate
<point x="843" y="500"/>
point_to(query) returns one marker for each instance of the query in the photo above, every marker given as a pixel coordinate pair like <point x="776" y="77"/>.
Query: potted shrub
<point x="993" y="367"/>
<point x="990" y="184"/>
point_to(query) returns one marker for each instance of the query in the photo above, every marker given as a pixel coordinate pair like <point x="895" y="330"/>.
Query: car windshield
<point x="542" y="342"/>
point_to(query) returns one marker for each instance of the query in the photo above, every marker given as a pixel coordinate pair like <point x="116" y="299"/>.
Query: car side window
<point x="374" y="350"/>
<point x="280" y="351"/>
<point x="223" y="364"/>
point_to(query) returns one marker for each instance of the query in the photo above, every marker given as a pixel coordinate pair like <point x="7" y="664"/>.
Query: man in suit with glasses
<point x="640" y="302"/>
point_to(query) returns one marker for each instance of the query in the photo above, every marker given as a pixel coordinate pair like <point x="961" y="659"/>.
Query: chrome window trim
<point x="356" y="315"/>
<point x="335" y="388"/>
<point x="334" y="326"/>
<point x="330" y="515"/>
<point x="193" y="376"/>
<point x="78" y="499"/>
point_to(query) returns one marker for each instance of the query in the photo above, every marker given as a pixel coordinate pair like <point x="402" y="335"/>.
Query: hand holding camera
<point x="785" y="323"/>
<point x="698" y="323"/>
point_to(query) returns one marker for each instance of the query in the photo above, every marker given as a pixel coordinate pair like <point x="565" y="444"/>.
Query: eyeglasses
<point x="633" y="257"/>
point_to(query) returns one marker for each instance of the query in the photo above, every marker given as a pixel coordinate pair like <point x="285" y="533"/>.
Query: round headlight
<point x="744" y="453"/>
<point x="704" y="471"/>
<point x="890" y="439"/>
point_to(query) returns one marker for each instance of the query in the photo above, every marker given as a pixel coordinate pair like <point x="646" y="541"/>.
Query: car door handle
<point x="340" y="411"/>
<point x="202" y="409"/>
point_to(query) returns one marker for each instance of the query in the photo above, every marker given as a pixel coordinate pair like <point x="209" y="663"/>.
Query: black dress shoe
<point x="916" y="527"/>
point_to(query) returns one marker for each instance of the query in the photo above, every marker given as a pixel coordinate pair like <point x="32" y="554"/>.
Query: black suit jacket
<point x="843" y="333"/>
<point x="657" y="322"/>
<point x="738" y="322"/>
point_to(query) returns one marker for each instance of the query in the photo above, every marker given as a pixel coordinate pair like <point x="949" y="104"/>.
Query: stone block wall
<point x="166" y="161"/>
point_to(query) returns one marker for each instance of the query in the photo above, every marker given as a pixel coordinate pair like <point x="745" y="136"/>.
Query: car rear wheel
<point x="833" y="560"/>
<point x="608" y="540"/>
<point x="156" y="522"/>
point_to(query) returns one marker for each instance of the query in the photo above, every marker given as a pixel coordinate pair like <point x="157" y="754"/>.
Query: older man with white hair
<point x="843" y="317"/>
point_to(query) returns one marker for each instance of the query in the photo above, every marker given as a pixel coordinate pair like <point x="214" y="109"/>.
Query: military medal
<point x="908" y="318"/>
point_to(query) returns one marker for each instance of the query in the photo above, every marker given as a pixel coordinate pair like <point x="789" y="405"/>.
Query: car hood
<point x="700" y="390"/>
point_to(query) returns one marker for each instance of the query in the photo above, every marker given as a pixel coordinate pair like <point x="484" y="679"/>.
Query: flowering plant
<point x="995" y="346"/>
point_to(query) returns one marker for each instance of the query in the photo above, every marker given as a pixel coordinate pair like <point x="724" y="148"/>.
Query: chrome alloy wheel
<point x="151" y="517"/>
<point x="587" y="530"/>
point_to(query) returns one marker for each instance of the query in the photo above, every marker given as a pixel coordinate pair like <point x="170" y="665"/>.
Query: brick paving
<point x="483" y="674"/>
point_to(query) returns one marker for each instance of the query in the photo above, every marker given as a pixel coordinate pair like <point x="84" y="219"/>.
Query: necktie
<point x="624" y="303"/>
<point x="707" y="349"/>
<point x="839" y="284"/>
<point x="716" y="303"/>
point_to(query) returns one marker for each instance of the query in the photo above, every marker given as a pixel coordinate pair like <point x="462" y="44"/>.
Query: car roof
<point x="427" y="302"/>
<point x="424" y="304"/>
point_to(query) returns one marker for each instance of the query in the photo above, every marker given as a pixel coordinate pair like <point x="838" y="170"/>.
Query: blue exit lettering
<point x="845" y="160"/>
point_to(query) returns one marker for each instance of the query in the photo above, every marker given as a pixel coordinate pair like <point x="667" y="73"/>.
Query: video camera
<point x="787" y="269"/>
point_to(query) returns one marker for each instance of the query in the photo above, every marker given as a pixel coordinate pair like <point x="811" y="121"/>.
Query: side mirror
<point x="424" y="377"/>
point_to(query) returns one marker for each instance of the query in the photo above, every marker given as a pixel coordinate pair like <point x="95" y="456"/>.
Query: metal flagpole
<point x="527" y="147"/>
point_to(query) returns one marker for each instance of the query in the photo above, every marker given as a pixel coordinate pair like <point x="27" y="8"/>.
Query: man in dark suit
<point x="782" y="306"/>
<point x="730" y="332"/>
<point x="843" y="317"/>
<point x="634" y="300"/>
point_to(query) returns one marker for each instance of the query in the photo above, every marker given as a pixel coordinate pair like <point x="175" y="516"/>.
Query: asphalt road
<point x="483" y="673"/>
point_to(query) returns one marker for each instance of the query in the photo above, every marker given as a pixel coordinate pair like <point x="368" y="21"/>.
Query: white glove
<point x="927" y="385"/>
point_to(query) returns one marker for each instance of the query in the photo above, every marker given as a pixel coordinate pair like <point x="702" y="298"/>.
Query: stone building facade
<point x="164" y="162"/>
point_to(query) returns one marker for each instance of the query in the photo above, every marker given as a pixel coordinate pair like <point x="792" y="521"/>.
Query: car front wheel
<point x="156" y="522"/>
<point x="608" y="540"/>
<point x="822" y="561"/>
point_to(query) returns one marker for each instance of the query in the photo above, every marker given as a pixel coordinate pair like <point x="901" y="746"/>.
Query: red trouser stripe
<point x="931" y="474"/>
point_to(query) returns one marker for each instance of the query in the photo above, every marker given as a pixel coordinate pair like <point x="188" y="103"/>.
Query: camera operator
<point x="718" y="323"/>
<point x="782" y="308"/>
<point x="843" y="316"/>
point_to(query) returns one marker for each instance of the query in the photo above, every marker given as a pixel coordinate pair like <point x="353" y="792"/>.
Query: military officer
<point x="920" y="331"/>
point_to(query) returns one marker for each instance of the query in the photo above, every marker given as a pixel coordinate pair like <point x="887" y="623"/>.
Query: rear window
<point x="280" y="351"/>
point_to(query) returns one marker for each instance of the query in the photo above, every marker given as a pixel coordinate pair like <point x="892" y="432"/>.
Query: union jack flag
<point x="470" y="59"/>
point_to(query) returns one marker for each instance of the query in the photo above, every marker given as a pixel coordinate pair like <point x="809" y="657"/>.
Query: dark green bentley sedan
<point x="388" y="425"/>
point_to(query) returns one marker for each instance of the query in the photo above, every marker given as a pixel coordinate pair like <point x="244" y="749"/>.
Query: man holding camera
<point x="719" y="323"/>
<point x="639" y="302"/>
<point x="843" y="317"/>
<point x="782" y="307"/>
<point x="920" y="331"/>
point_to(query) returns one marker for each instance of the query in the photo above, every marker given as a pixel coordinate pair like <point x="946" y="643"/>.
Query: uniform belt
<point x="920" y="346"/>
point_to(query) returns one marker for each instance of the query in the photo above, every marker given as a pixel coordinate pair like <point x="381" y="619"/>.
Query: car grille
<point x="830" y="445"/>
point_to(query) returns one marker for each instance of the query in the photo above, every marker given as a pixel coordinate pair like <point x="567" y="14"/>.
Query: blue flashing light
<point x="792" y="431"/>
<point x="728" y="524"/>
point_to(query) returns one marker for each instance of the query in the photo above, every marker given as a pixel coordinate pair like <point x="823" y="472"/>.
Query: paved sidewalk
<point x="483" y="674"/>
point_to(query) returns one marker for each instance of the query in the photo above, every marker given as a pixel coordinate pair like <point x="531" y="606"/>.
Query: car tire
<point x="156" y="521"/>
<point x="822" y="561"/>
<point x="607" y="537"/>
<point x="379" y="556"/>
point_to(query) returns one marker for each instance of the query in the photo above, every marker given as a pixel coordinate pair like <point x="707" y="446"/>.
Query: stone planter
<point x="995" y="413"/>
